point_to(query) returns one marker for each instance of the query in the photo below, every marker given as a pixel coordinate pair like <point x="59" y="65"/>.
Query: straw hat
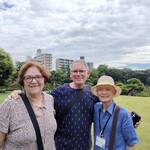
<point x="106" y="80"/>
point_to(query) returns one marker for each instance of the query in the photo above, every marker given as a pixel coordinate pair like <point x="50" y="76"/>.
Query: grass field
<point x="140" y="105"/>
<point x="3" y="96"/>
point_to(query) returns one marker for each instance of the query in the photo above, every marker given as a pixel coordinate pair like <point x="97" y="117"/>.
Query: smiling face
<point x="106" y="93"/>
<point x="33" y="81"/>
<point x="79" y="74"/>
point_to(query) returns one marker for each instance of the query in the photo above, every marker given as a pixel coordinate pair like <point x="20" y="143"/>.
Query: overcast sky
<point x="111" y="32"/>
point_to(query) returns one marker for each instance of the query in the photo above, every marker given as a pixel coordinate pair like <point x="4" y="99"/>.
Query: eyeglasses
<point x="30" y="78"/>
<point x="78" y="71"/>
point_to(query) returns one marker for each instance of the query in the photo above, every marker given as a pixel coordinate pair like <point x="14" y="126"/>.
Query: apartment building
<point x="89" y="64"/>
<point x="44" y="59"/>
<point x="63" y="64"/>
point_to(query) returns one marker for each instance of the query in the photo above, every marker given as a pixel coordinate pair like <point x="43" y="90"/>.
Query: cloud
<point x="112" y="32"/>
<point x="5" y="5"/>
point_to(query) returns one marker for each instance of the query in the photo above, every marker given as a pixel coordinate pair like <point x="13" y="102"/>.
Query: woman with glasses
<point x="16" y="128"/>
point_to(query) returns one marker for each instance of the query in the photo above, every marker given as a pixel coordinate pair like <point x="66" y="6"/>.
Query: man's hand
<point x="14" y="94"/>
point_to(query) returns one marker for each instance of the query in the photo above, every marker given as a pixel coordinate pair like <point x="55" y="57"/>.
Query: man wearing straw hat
<point x="124" y="136"/>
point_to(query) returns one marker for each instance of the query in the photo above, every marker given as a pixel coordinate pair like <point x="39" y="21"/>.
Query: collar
<point x="109" y="109"/>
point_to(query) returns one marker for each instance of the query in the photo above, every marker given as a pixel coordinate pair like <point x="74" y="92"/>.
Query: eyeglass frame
<point x="30" y="78"/>
<point x="78" y="71"/>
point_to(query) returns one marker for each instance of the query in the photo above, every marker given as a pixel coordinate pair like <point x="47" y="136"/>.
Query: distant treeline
<point x="132" y="82"/>
<point x="121" y="75"/>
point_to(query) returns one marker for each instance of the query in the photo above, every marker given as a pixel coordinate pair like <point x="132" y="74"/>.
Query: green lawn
<point x="3" y="96"/>
<point x="140" y="105"/>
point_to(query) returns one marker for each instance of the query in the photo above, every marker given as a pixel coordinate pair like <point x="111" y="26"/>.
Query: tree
<point x="148" y="81"/>
<point x="102" y="69"/>
<point x="57" y="78"/>
<point x="92" y="80"/>
<point x="134" y="86"/>
<point x="116" y="74"/>
<point x="123" y="88"/>
<point x="6" y="68"/>
<point x="19" y="64"/>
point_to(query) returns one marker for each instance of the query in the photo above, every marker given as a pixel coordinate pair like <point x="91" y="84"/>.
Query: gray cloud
<point x="112" y="32"/>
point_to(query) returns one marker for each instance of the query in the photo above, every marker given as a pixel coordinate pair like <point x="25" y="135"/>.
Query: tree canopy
<point x="6" y="67"/>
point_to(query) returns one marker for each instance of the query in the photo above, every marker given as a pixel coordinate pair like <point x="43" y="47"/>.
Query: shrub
<point x="2" y="90"/>
<point x="145" y="93"/>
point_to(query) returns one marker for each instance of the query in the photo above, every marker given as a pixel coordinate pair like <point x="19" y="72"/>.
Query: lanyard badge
<point x="100" y="142"/>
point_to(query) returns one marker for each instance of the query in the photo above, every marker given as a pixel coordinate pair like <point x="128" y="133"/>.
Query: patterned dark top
<point x="74" y="131"/>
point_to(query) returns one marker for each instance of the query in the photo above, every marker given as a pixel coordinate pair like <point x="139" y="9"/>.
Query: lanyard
<point x="103" y="129"/>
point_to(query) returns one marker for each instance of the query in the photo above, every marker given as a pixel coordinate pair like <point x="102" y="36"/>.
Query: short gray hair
<point x="81" y="62"/>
